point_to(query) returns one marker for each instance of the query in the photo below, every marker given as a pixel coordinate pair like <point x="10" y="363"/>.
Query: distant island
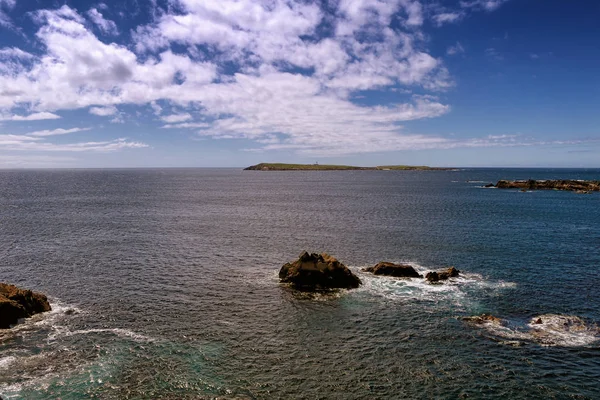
<point x="325" y="167"/>
<point x="579" y="186"/>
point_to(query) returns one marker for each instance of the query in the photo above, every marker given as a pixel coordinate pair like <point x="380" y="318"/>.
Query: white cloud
<point x="487" y="5"/>
<point x="14" y="52"/>
<point x="494" y="54"/>
<point x="5" y="20"/>
<point x="251" y="87"/>
<point x="31" y="117"/>
<point x="103" y="111"/>
<point x="106" y="26"/>
<point x="54" y="132"/>
<point x="37" y="144"/>
<point x="188" y="125"/>
<point x="176" y="118"/>
<point x="447" y="18"/>
<point x="455" y="49"/>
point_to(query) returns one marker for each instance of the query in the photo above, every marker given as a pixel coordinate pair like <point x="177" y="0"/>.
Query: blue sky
<point x="229" y="83"/>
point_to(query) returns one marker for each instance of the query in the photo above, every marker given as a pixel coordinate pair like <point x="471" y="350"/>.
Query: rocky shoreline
<point x="17" y="303"/>
<point x="579" y="186"/>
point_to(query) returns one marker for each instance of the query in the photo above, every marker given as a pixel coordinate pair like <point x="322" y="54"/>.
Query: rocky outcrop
<point x="437" y="276"/>
<point x="483" y="319"/>
<point x="312" y="272"/>
<point x="391" y="269"/>
<point x="16" y="303"/>
<point x="579" y="186"/>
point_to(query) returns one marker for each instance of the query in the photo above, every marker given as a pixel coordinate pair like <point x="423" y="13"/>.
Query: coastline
<point x="325" y="167"/>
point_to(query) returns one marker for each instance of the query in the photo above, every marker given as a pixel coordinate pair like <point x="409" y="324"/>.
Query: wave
<point x="61" y="331"/>
<point x="455" y="290"/>
<point x="546" y="330"/>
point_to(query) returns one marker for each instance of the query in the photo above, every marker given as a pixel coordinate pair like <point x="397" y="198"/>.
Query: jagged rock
<point x="16" y="303"/>
<point x="437" y="276"/>
<point x="482" y="319"/>
<point x="318" y="272"/>
<point x="396" y="270"/>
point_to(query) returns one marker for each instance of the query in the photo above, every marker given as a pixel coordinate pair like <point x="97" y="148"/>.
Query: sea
<point x="164" y="285"/>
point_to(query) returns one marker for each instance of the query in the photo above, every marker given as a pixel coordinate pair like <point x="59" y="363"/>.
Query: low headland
<point x="579" y="186"/>
<point x="326" y="167"/>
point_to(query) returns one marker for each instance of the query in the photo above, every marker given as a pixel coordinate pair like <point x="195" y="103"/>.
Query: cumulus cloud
<point x="283" y="74"/>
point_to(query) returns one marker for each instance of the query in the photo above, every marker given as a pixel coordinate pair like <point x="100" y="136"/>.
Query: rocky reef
<point x="579" y="186"/>
<point x="16" y="303"/>
<point x="436" y="276"/>
<point x="314" y="272"/>
<point x="395" y="270"/>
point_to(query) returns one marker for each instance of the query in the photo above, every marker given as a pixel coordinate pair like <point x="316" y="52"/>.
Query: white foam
<point x="61" y="331"/>
<point x="563" y="330"/>
<point x="554" y="330"/>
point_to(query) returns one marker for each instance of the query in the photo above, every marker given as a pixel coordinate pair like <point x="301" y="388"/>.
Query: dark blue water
<point x="164" y="285"/>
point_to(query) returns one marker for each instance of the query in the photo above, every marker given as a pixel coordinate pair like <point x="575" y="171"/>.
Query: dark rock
<point x="482" y="319"/>
<point x="318" y="272"/>
<point x="18" y="303"/>
<point x="538" y="321"/>
<point x="437" y="276"/>
<point x="396" y="270"/>
<point x="489" y="185"/>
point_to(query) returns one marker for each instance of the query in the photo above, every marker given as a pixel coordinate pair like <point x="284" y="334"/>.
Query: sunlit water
<point x="164" y="285"/>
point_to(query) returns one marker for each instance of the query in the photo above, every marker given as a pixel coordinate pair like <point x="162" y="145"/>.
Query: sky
<point x="230" y="83"/>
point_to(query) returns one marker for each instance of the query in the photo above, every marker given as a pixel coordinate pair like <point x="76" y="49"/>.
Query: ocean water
<point x="164" y="285"/>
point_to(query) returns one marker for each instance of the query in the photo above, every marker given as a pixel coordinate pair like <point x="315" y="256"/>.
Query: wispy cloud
<point x="176" y="118"/>
<point x="103" y="111"/>
<point x="455" y="49"/>
<point x="447" y="18"/>
<point x="494" y="54"/>
<point x="487" y="5"/>
<point x="54" y="132"/>
<point x="106" y="26"/>
<point x="31" y="117"/>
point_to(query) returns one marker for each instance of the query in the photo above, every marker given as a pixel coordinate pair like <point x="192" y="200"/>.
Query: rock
<point x="318" y="272"/>
<point x="437" y="276"/>
<point x="482" y="319"/>
<point x="538" y="321"/>
<point x="490" y="185"/>
<point x="16" y="303"/>
<point x="579" y="186"/>
<point x="396" y="270"/>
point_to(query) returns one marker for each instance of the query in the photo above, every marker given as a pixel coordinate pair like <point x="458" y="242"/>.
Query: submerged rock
<point x="396" y="270"/>
<point x="16" y="303"/>
<point x="318" y="272"/>
<point x="437" y="276"/>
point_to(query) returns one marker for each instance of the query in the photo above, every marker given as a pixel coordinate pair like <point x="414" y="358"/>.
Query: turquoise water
<point x="164" y="285"/>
